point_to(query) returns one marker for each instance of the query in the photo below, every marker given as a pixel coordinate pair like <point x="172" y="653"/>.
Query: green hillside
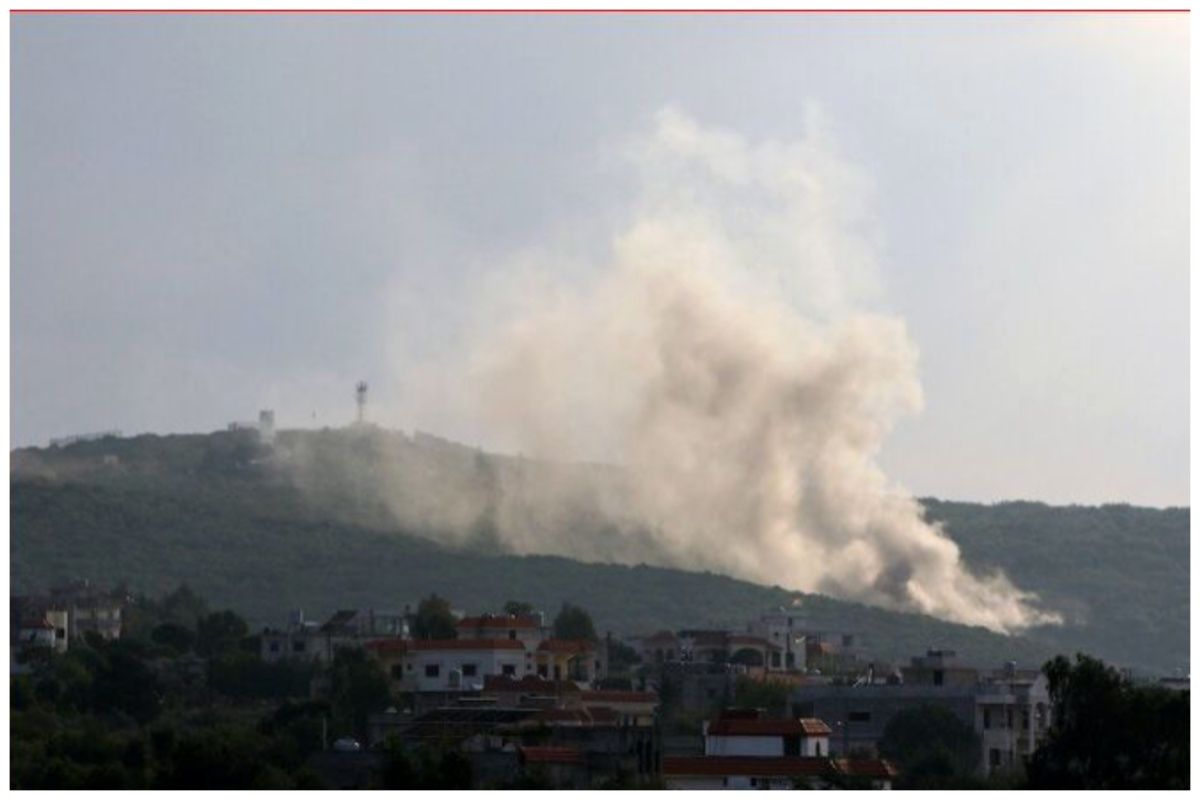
<point x="214" y="511"/>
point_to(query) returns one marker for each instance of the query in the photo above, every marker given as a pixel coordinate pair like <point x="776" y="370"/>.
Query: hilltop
<point x="249" y="530"/>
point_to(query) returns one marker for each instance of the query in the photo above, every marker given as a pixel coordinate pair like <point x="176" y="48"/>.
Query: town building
<point x="745" y="750"/>
<point x="1009" y="709"/>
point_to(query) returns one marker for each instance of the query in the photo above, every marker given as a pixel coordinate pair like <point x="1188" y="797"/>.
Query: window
<point x="994" y="757"/>
<point x="432" y="670"/>
<point x="939" y="677"/>
<point x="274" y="647"/>
<point x="987" y="720"/>
<point x="509" y="669"/>
<point x="468" y="670"/>
<point x="818" y="748"/>
<point x="297" y="647"/>
<point x="397" y="672"/>
<point x="1008" y="718"/>
<point x="860" y="716"/>
<point x="541" y="670"/>
<point x="512" y="634"/>
<point x="597" y="667"/>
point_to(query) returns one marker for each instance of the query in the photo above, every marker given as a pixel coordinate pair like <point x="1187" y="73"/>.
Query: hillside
<point x="216" y="511"/>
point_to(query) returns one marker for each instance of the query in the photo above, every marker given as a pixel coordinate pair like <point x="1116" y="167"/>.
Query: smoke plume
<point x="722" y="357"/>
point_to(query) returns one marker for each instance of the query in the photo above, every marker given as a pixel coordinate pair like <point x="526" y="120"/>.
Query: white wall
<point x="814" y="746"/>
<point x="487" y="662"/>
<point x="743" y="745"/>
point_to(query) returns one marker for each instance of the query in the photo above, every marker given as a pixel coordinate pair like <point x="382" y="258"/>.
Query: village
<point x="522" y="697"/>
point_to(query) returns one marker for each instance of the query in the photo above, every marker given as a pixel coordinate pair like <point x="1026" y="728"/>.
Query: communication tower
<point x="360" y="397"/>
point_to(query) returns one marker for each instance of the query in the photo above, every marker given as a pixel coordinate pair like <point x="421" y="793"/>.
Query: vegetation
<point x="1107" y="733"/>
<point x="434" y="619"/>
<point x="573" y="622"/>
<point x="208" y="511"/>
<point x="518" y="608"/>
<point x="131" y="714"/>
<point x="933" y="748"/>
<point x="771" y="696"/>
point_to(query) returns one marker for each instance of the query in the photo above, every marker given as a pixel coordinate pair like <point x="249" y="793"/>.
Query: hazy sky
<point x="212" y="215"/>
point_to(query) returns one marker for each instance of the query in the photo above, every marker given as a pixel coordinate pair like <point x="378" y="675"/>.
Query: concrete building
<point x="306" y="640"/>
<point x="1009" y="709"/>
<point x="449" y="665"/>
<point x="938" y="668"/>
<point x="90" y="609"/>
<point x="576" y="660"/>
<point x="786" y="629"/>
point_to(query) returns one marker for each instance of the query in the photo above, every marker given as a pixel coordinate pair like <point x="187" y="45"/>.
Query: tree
<point x="434" y="619"/>
<point x="933" y="748"/>
<point x="398" y="771"/>
<point x="358" y="688"/>
<point x="518" y="608"/>
<point x="573" y="622"/>
<point x="220" y="632"/>
<point x="1106" y="733"/>
<point x="173" y="636"/>
<point x="769" y="695"/>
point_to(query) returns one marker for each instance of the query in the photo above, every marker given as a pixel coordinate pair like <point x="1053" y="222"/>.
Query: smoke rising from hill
<point x="723" y="359"/>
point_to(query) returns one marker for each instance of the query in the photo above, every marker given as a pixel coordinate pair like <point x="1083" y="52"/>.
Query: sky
<point x="217" y="214"/>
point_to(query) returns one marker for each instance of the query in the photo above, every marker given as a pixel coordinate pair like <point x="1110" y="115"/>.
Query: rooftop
<point x="768" y="727"/>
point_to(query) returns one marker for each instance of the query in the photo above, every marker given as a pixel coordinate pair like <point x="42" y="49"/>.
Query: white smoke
<point x="723" y="359"/>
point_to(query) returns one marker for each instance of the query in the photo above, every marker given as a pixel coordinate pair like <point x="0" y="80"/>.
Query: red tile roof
<point x="662" y="636"/>
<point x="768" y="727"/>
<point x="35" y="623"/>
<point x="550" y="755"/>
<point x="498" y="621"/>
<point x="387" y="645"/>
<point x="749" y="766"/>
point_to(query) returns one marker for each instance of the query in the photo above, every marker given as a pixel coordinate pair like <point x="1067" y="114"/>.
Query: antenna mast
<point x="360" y="397"/>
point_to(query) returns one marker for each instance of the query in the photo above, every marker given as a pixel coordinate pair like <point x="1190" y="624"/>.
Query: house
<point x="448" y="665"/>
<point x="37" y="623"/>
<point x="659" y="648"/>
<point x="749" y="734"/>
<point x="786" y="629"/>
<point x="571" y="659"/>
<point x="1009" y="709"/>
<point x="938" y="668"/>
<point x="529" y="630"/>
<point x="630" y="708"/>
<point x="745" y="750"/>
<point x="89" y="609"/>
<point x="305" y="640"/>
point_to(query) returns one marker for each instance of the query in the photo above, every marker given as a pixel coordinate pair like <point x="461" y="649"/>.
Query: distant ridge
<point x="209" y="510"/>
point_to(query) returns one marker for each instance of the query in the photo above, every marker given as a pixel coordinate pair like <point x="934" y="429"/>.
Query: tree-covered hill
<point x="216" y="512"/>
